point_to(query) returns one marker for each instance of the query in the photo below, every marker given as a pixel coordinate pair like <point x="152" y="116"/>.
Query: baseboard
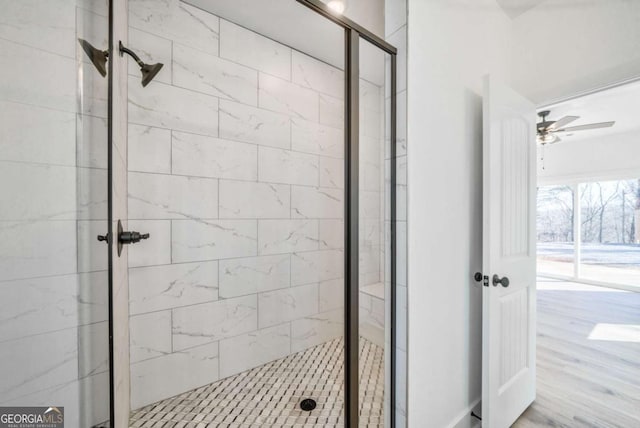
<point x="464" y="418"/>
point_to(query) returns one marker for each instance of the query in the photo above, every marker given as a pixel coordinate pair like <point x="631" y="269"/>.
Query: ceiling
<point x="515" y="8"/>
<point x="621" y="104"/>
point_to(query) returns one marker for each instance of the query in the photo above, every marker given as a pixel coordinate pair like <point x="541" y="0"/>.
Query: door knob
<point x="497" y="280"/>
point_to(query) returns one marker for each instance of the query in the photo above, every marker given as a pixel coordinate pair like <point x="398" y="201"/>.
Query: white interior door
<point x="509" y="306"/>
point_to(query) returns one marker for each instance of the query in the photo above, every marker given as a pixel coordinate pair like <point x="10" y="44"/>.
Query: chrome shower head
<point x="97" y="57"/>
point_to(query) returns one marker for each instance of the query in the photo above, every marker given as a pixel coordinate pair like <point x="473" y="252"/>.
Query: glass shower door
<point x="53" y="202"/>
<point x="236" y="169"/>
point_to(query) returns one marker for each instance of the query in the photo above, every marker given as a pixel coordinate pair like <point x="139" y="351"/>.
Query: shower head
<point x="148" y="71"/>
<point x="97" y="57"/>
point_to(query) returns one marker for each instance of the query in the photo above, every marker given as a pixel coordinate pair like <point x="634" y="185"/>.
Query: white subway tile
<point x="395" y="13"/>
<point x="22" y="362"/>
<point x="332" y="111"/>
<point x="316" y="329"/>
<point x="245" y="199"/>
<point x="53" y="86"/>
<point x="251" y="275"/>
<point x="215" y="76"/>
<point x="178" y="21"/>
<point x="401" y="319"/>
<point x="331" y="172"/>
<point x="331" y="233"/>
<point x="38" y="305"/>
<point x="254" y="349"/>
<point x="156" y="288"/>
<point x="331" y="294"/>
<point x="150" y="335"/>
<point x="370" y="205"/>
<point x="209" y="322"/>
<point x="285" y="97"/>
<point x="92" y="296"/>
<point x="153" y="251"/>
<point x="92" y="254"/>
<point x="158" y="378"/>
<point x="35" y="23"/>
<point x="371" y="96"/>
<point x="316" y="202"/>
<point x="161" y="197"/>
<point x="401" y="131"/>
<point x="287" y="304"/>
<point x="315" y="266"/>
<point x="253" y="125"/>
<point x="286" y="236"/>
<point x="167" y="106"/>
<point x="149" y="149"/>
<point x="198" y="155"/>
<point x="41" y="248"/>
<point x="254" y="50"/>
<point x="52" y="141"/>
<point x="285" y="166"/>
<point x="93" y="349"/>
<point x="310" y="137"/>
<point x="402" y="253"/>
<point x="44" y="192"/>
<point x="317" y="75"/>
<point x="371" y="177"/>
<point x="92" y="193"/>
<point x="195" y="240"/>
<point x="92" y="141"/>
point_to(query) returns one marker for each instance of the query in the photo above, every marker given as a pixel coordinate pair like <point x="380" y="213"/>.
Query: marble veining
<point x="209" y="322"/>
<point x="251" y="275"/>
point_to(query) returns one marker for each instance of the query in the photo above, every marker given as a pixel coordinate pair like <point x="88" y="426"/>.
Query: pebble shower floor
<point x="270" y="395"/>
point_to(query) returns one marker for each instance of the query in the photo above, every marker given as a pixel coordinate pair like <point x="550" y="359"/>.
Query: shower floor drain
<point x="308" y="404"/>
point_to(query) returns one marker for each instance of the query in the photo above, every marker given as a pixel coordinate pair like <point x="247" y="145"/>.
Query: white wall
<point x="452" y="45"/>
<point x="563" y="47"/>
<point x="611" y="157"/>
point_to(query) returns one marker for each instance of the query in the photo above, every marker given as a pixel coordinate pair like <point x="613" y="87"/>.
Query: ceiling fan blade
<point x="556" y="140"/>
<point x="562" y="122"/>
<point x="586" y="127"/>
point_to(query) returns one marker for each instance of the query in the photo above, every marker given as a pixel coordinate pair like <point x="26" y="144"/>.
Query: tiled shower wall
<point x="236" y="171"/>
<point x="53" y="278"/>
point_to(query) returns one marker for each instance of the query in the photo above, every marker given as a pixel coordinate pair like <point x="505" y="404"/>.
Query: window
<point x="607" y="224"/>
<point x="556" y="254"/>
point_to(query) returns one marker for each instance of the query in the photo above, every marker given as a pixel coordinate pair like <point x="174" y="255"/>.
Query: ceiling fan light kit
<point x="547" y="129"/>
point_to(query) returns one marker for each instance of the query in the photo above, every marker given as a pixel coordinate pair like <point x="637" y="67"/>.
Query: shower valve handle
<point x="132" y="237"/>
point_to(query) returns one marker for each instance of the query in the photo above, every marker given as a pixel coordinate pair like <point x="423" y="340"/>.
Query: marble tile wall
<point x="53" y="279"/>
<point x="236" y="169"/>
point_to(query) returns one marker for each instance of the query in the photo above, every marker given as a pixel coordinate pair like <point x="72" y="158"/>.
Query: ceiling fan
<point x="547" y="129"/>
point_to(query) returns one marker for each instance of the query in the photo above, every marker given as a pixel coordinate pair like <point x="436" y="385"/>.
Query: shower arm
<point x="132" y="54"/>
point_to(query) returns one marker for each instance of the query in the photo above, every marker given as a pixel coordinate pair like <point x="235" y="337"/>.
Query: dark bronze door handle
<point x="504" y="281"/>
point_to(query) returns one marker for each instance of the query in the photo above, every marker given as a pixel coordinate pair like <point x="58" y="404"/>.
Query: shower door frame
<point x="352" y="35"/>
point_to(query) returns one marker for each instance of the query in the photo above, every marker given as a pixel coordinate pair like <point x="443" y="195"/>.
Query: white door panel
<point x="509" y="191"/>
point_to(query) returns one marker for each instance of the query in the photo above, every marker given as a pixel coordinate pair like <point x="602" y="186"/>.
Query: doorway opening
<point x="588" y="261"/>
